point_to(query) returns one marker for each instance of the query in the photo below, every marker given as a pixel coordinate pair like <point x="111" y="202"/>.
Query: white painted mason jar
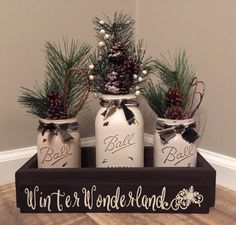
<point x="174" y="143"/>
<point x="58" y="144"/>
<point x="119" y="132"/>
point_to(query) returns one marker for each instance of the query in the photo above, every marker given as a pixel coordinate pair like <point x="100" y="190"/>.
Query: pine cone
<point x="175" y="113"/>
<point x="110" y="88"/>
<point x="131" y="66"/>
<point x="55" y="106"/>
<point x="112" y="76"/>
<point x="118" y="81"/>
<point x="125" y="80"/>
<point x="117" y="54"/>
<point x="173" y="97"/>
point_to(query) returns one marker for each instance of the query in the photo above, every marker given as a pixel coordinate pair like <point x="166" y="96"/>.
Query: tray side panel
<point x="212" y="177"/>
<point x="146" y="190"/>
<point x="132" y="197"/>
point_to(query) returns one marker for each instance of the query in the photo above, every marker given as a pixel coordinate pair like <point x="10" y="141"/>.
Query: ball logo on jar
<point x="53" y="157"/>
<point x="176" y="156"/>
<point x="114" y="143"/>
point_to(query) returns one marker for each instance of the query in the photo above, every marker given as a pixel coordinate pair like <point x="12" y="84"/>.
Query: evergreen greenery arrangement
<point x="66" y="85"/>
<point x="119" y="65"/>
<point x="178" y="93"/>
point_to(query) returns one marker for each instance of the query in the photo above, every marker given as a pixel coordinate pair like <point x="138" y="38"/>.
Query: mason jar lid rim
<point x="111" y="97"/>
<point x="59" y="121"/>
<point x="176" y="122"/>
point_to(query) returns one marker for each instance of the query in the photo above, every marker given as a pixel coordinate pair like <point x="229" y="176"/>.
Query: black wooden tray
<point x="90" y="189"/>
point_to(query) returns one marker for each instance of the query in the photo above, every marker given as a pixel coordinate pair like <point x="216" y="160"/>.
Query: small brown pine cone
<point x="173" y="97"/>
<point x="131" y="67"/>
<point x="55" y="106"/>
<point x="175" y="113"/>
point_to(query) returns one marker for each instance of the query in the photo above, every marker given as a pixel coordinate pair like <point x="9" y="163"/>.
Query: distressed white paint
<point x="119" y="144"/>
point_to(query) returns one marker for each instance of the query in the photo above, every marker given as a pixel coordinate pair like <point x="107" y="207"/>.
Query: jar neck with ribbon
<point x="124" y="102"/>
<point x="60" y="127"/>
<point x="168" y="129"/>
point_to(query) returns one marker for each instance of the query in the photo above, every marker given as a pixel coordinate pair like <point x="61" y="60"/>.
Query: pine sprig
<point x="121" y="29"/>
<point x="177" y="73"/>
<point x="155" y="96"/>
<point x="139" y="55"/>
<point x="120" y="55"/>
<point x="175" y="93"/>
<point x="62" y="79"/>
<point x="34" y="102"/>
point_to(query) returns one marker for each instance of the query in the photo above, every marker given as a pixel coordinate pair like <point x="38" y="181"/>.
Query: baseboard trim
<point x="86" y="142"/>
<point x="12" y="160"/>
<point x="12" y="155"/>
<point x="225" y="166"/>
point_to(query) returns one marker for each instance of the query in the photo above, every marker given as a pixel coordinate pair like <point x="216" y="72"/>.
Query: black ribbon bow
<point x="167" y="132"/>
<point x="129" y="115"/>
<point x="60" y="129"/>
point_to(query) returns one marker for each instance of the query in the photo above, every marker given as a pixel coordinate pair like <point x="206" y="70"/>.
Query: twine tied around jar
<point x="167" y="132"/>
<point x="60" y="129"/>
<point x="112" y="105"/>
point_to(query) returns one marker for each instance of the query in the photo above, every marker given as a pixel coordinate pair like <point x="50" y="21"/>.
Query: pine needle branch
<point x="155" y="96"/>
<point x="178" y="94"/>
<point x="59" y="78"/>
<point x="120" y="32"/>
<point x="177" y="73"/>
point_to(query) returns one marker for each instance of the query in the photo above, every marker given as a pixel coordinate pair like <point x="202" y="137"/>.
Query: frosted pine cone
<point x="118" y="81"/>
<point x="117" y="54"/>
<point x="112" y="76"/>
<point x="173" y="97"/>
<point x="175" y="113"/>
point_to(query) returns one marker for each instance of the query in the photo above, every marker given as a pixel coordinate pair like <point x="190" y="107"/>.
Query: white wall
<point x="207" y="30"/>
<point x="24" y="27"/>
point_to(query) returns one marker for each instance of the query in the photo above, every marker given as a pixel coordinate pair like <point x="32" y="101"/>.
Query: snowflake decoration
<point x="186" y="197"/>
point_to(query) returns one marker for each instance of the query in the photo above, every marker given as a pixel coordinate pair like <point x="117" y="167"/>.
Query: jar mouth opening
<point x="172" y="122"/>
<point x="114" y="97"/>
<point x="60" y="121"/>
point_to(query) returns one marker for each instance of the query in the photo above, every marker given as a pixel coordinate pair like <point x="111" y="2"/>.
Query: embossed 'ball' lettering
<point x="53" y="157"/>
<point x="114" y="144"/>
<point x="176" y="155"/>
